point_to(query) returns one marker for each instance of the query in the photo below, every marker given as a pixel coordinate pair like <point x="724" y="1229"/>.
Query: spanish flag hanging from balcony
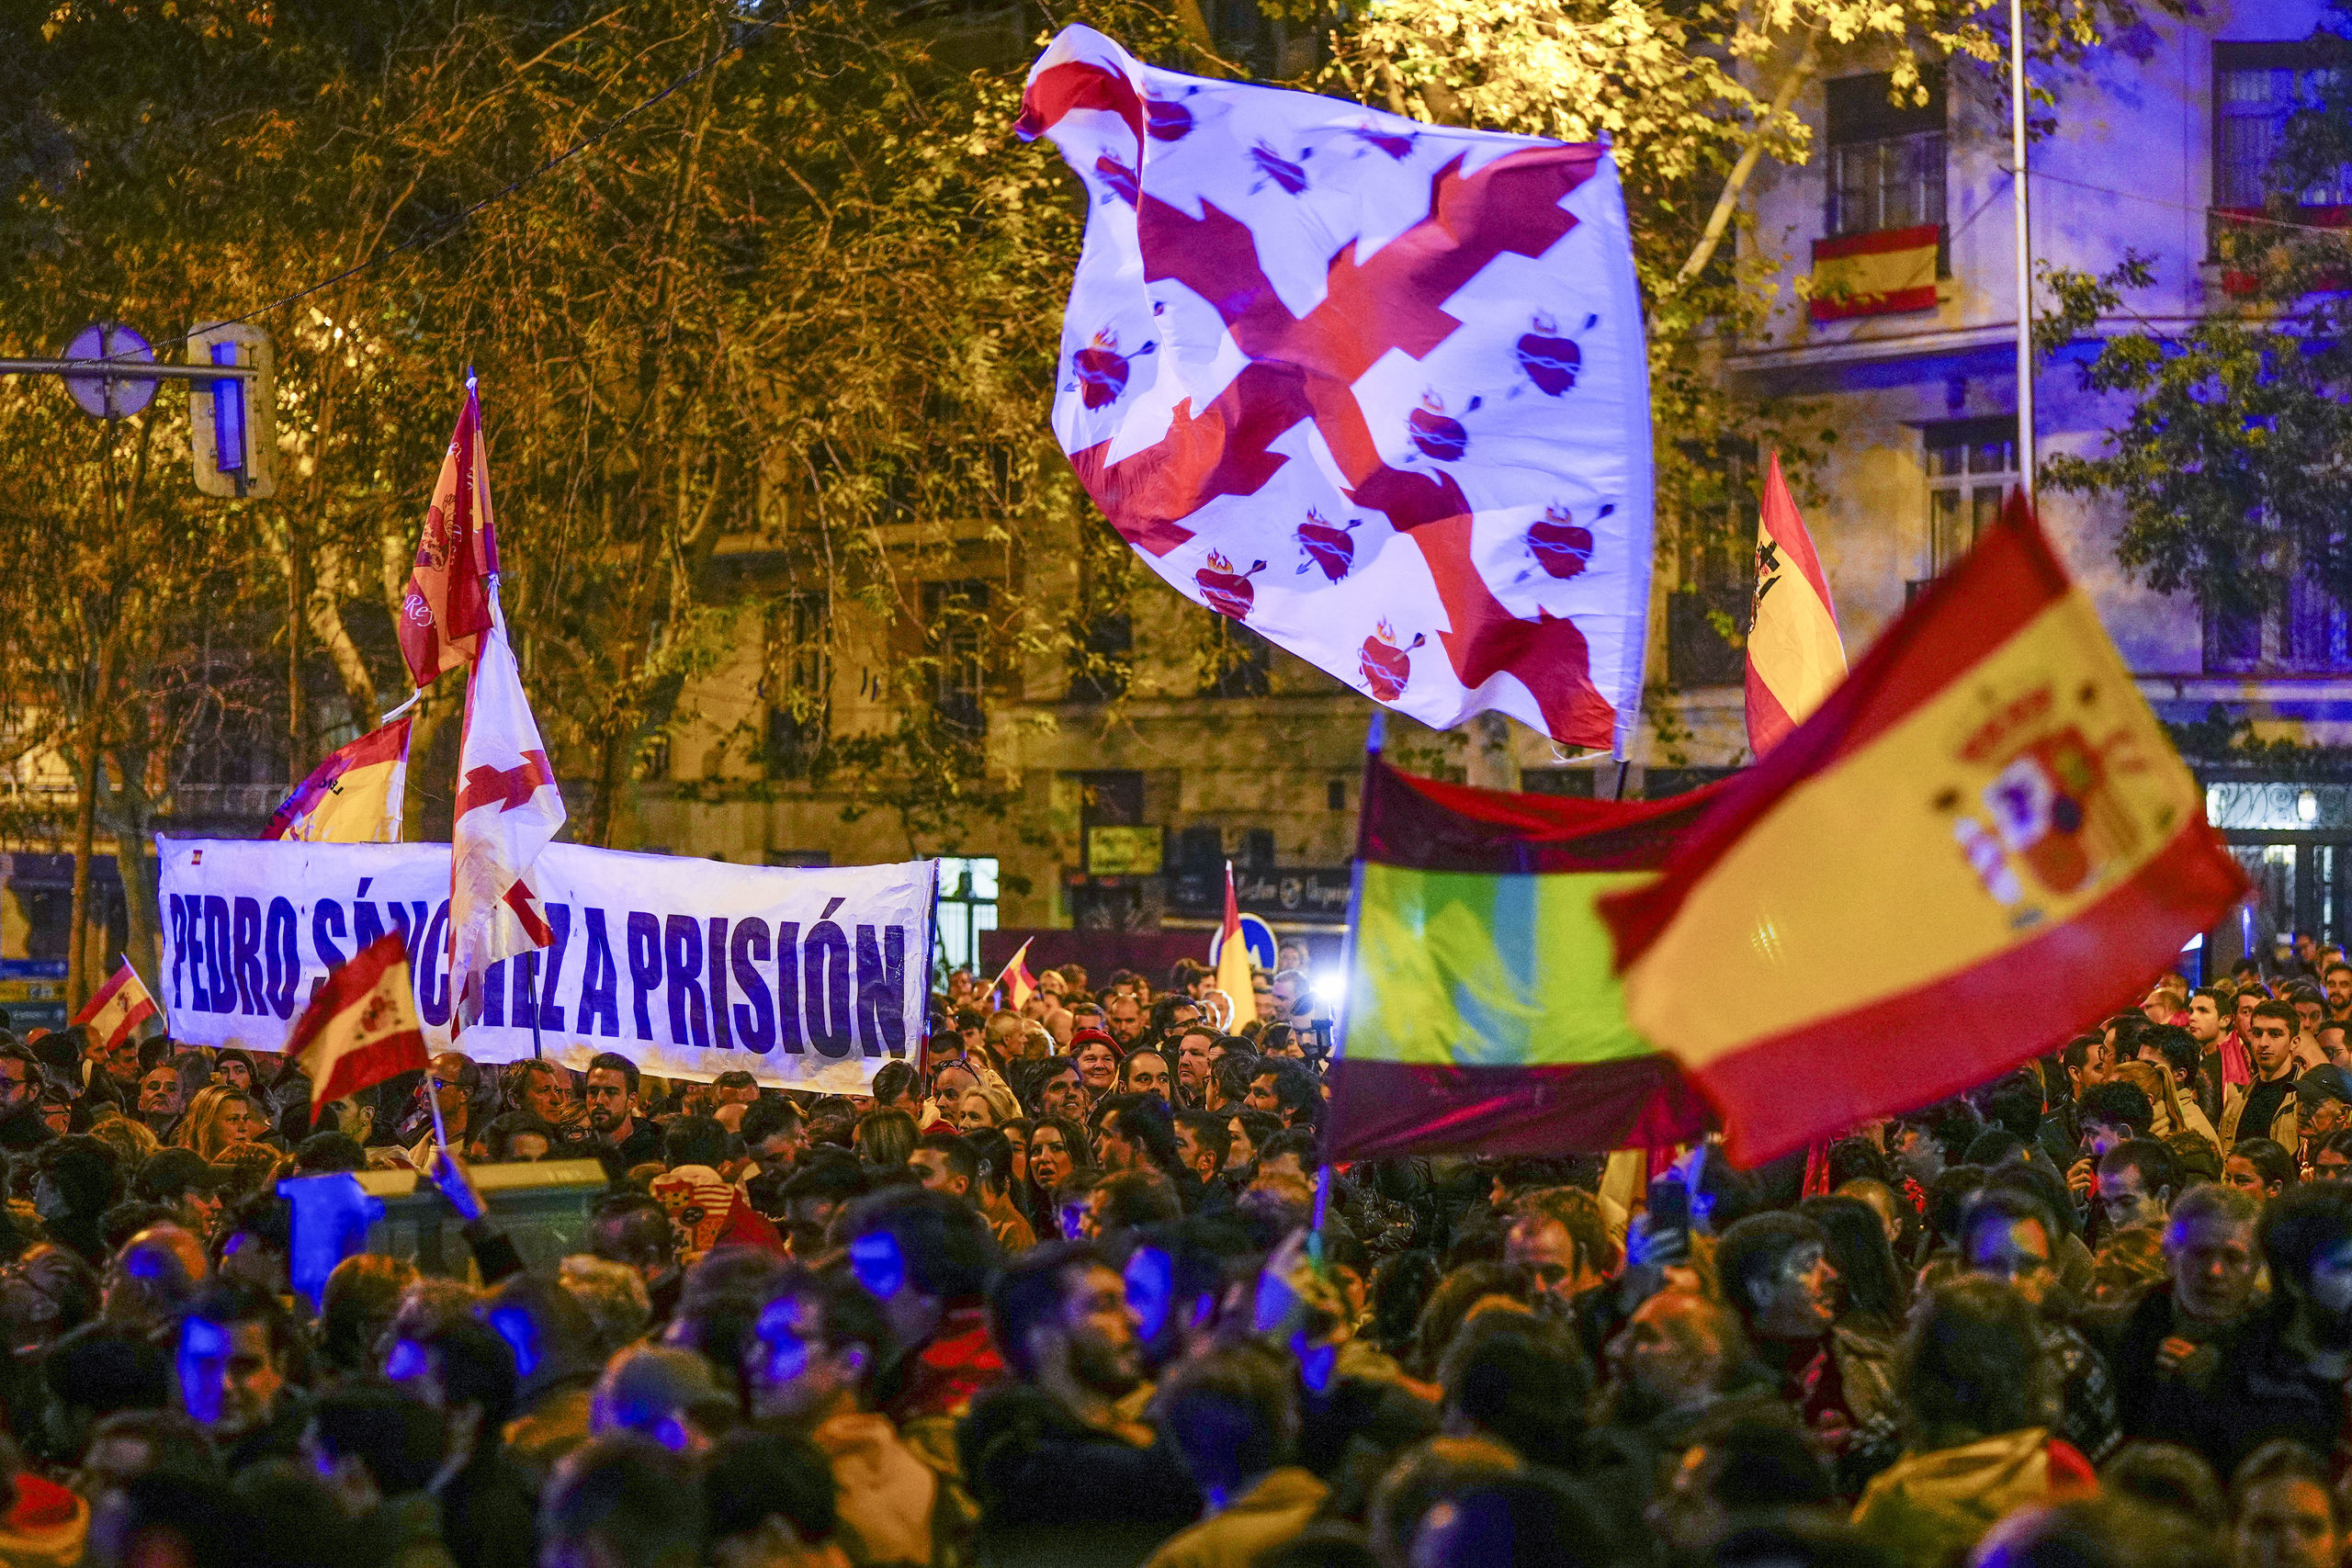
<point x="1979" y="845"/>
<point x="1794" y="658"/>
<point x="1878" y="274"/>
<point x="1481" y="1015"/>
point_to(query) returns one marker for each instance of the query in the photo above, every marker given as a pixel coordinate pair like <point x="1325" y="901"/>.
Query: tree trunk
<point x="129" y="817"/>
<point x="1727" y="200"/>
<point x="86" y="833"/>
<point x="298" y="708"/>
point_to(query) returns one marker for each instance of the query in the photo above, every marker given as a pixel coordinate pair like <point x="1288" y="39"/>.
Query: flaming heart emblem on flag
<point x="1327" y="545"/>
<point x="1387" y="667"/>
<point x="1227" y="591"/>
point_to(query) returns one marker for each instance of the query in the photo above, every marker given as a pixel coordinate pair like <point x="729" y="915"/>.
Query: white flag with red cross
<point x="1376" y="388"/>
<point x="508" y="809"/>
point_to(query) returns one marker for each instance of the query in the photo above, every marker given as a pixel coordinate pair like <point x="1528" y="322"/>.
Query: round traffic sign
<point x="109" y="397"/>
<point x="1257" y="939"/>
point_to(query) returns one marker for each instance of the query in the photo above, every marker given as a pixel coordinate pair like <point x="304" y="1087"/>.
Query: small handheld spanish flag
<point x="118" y="1006"/>
<point x="1795" y="657"/>
<point x="361" y="1028"/>
<point x="1015" y="981"/>
<point x="1980" y="845"/>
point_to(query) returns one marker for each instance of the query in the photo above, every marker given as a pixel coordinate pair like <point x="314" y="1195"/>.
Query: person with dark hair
<point x="775" y="1132"/>
<point x="1232" y="1415"/>
<point x="94" y="1373"/>
<point x="1520" y="1381"/>
<point x="1230" y="1075"/>
<point x="465" y="1372"/>
<point x="1740" y="1464"/>
<point x="556" y="1360"/>
<point x="947" y="1163"/>
<point x="706" y="1210"/>
<point x="1979" y="1397"/>
<point x="1287" y="1089"/>
<point x="2137" y="1180"/>
<point x="2283" y="1373"/>
<point x="74" y="1185"/>
<point x="622" y="1501"/>
<point x="1069" y="1339"/>
<point x="769" y="1501"/>
<point x="613" y="1120"/>
<point x="518" y="1136"/>
<point x="821" y="1361"/>
<point x="2260" y="1166"/>
<point x="1250" y="1131"/>
<point x="2010" y="1235"/>
<point x="377" y="1453"/>
<point x="1925" y="1142"/>
<point x="1204" y="1139"/>
<point x="238" y="1365"/>
<point x="1777" y="1276"/>
<point x="1532" y="1520"/>
<point x="2266" y="1108"/>
<point x="633" y="1229"/>
<point x="991" y="1193"/>
<point x="1871" y="1295"/>
<point x="927" y="1258"/>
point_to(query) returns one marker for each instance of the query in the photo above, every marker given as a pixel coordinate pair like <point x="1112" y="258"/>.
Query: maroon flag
<point x="448" y="607"/>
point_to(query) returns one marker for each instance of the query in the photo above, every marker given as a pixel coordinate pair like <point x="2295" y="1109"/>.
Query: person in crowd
<point x="2266" y="1108"/>
<point x="927" y="1258"/>
<point x="1070" y="1341"/>
<point x="2285" y="1511"/>
<point x="1775" y="1272"/>
<point x="1232" y="1415"/>
<point x="2282" y="1374"/>
<point x="237" y="1367"/>
<point x="2165" y="1351"/>
<point x="1096" y="1056"/>
<point x="2260" y="1166"/>
<point x="1980" y="1399"/>
<point x="379" y="1453"/>
<point x="612" y="1117"/>
<point x="820" y="1357"/>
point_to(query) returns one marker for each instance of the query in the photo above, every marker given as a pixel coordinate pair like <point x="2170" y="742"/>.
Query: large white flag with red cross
<point x="508" y="809"/>
<point x="1374" y="387"/>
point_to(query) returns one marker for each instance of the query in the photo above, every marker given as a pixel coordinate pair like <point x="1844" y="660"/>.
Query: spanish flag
<point x="1482" y="1014"/>
<point x="1233" y="962"/>
<point x="1793" y="653"/>
<point x="1981" y="844"/>
<point x="361" y="1027"/>
<point x="1886" y="272"/>
<point x="117" y="1008"/>
<point x="353" y="797"/>
<point x="1015" y="981"/>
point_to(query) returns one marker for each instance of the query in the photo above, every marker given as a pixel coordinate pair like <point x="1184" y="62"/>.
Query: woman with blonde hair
<point x="2173" y="1114"/>
<point x="219" y="1117"/>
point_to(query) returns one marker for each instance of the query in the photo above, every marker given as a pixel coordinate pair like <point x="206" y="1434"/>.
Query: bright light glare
<point x="1331" y="986"/>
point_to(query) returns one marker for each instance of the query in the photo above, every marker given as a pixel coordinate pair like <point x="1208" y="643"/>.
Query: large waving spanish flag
<point x="1979" y="845"/>
<point x="1482" y="1016"/>
<point x="355" y="797"/>
<point x="1795" y="657"/>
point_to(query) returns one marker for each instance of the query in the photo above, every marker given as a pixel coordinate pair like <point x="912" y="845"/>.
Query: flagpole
<point x="2024" y="248"/>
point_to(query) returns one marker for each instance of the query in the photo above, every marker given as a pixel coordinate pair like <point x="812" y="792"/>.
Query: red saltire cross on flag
<point x="1363" y="384"/>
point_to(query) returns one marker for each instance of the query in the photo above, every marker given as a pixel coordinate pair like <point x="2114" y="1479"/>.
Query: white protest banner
<point x="806" y="978"/>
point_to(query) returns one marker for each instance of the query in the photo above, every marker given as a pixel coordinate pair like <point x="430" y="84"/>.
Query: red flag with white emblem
<point x="508" y="809"/>
<point x="361" y="1028"/>
<point x="447" y="610"/>
<point x="1376" y="388"/>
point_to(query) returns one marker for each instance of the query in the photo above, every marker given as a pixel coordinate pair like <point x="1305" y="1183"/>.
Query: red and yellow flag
<point x="1233" y="962"/>
<point x="353" y="797"/>
<point x="1795" y="657"/>
<point x="119" y="1006"/>
<point x="1981" y="844"/>
<point x="1015" y="981"/>
<point x="1482" y="1014"/>
<point x="361" y="1027"/>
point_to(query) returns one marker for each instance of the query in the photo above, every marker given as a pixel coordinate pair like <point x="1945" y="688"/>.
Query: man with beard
<point x="1058" y="1092"/>
<point x="1125" y="1020"/>
<point x="1678" y="1360"/>
<point x="1059" y="1471"/>
<point x="2166" y="1351"/>
<point x="612" y="1111"/>
<point x="2284" y="1375"/>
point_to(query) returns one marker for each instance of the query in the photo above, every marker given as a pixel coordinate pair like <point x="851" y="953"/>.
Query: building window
<point x="956" y="634"/>
<point x="1706" y="617"/>
<point x="2257" y="89"/>
<point x="967" y="907"/>
<point x="1235" y="660"/>
<point x="1972" y="467"/>
<point x="796" y="683"/>
<point x="1886" y="160"/>
<point x="2297" y="628"/>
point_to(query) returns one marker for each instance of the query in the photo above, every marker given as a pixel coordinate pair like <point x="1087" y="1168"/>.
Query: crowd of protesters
<point x="1057" y="1295"/>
